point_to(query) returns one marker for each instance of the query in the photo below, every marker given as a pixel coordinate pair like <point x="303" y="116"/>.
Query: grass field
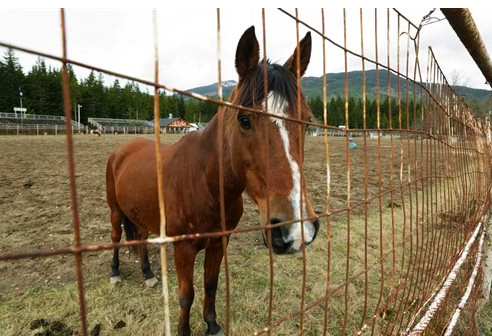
<point x="40" y="293"/>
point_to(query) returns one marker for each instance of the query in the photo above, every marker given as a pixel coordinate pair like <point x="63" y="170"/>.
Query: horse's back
<point x="129" y="150"/>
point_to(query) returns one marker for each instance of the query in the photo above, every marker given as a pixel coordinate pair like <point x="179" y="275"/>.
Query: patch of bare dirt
<point x="35" y="206"/>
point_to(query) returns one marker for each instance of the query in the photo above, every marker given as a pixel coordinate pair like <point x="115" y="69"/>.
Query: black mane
<point x="281" y="81"/>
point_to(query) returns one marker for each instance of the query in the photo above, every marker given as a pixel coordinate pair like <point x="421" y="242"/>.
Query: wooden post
<point x="463" y="24"/>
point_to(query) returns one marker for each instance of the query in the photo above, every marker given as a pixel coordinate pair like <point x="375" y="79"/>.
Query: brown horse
<point x="191" y="178"/>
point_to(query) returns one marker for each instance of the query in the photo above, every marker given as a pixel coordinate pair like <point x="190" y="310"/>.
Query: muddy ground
<point x="35" y="214"/>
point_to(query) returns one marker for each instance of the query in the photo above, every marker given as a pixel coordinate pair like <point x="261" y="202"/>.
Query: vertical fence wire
<point x="380" y="182"/>
<point x="160" y="182"/>
<point x="301" y="182"/>
<point x="266" y="132"/>
<point x="71" y="174"/>
<point x="391" y="202"/>
<point x="390" y="119"/>
<point x="328" y="184"/>
<point x="348" y="177"/>
<point x="220" y="140"/>
<point x="366" y="169"/>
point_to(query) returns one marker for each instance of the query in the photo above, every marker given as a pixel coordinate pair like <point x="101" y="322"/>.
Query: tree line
<point x="42" y="94"/>
<point x="41" y="91"/>
<point x="390" y="113"/>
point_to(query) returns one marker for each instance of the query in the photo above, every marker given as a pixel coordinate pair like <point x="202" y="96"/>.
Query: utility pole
<point x="78" y="116"/>
<point x="20" y="95"/>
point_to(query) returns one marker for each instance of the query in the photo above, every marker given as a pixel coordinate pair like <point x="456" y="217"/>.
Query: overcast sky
<point x="122" y="40"/>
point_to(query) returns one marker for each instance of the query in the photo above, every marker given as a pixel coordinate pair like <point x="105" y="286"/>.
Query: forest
<point x="42" y="94"/>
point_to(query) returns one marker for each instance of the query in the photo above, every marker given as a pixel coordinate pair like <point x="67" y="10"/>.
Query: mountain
<point x="313" y="86"/>
<point x="211" y="90"/>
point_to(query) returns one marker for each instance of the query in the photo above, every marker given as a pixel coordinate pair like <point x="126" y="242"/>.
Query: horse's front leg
<point x="213" y="258"/>
<point x="184" y="260"/>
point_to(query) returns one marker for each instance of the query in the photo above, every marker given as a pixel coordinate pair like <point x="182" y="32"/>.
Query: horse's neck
<point x="210" y="145"/>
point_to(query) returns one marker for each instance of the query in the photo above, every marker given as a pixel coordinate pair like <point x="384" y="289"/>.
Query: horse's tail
<point x="130" y="232"/>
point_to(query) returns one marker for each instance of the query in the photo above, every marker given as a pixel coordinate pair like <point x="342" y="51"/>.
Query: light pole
<point x="78" y="115"/>
<point x="21" y="113"/>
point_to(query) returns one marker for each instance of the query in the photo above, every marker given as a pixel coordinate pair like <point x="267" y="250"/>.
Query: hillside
<point x="313" y="86"/>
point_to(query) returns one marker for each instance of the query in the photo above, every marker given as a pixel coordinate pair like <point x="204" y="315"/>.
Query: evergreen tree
<point x="75" y="90"/>
<point x="55" y="92"/>
<point x="192" y="112"/>
<point x="11" y="82"/>
<point x="316" y="106"/>
<point x="114" y="101"/>
<point x="35" y="88"/>
<point x="92" y="98"/>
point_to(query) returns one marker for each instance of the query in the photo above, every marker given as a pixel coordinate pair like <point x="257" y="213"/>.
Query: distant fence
<point x="35" y="124"/>
<point x="9" y="115"/>
<point x="32" y="129"/>
<point x="121" y="126"/>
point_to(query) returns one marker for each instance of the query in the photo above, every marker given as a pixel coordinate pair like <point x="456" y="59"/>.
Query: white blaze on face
<point x="278" y="107"/>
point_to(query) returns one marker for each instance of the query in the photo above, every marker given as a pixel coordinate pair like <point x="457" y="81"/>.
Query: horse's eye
<point x="244" y="121"/>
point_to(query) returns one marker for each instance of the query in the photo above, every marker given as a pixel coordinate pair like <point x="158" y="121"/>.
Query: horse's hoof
<point x="220" y="333"/>
<point x="115" y="280"/>
<point x="151" y="282"/>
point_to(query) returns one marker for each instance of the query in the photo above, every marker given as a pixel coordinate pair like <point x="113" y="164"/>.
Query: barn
<point x="173" y="125"/>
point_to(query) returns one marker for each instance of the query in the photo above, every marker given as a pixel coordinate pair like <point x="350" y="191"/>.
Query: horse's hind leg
<point x="150" y="279"/>
<point x="213" y="259"/>
<point x="184" y="259"/>
<point x="116" y="219"/>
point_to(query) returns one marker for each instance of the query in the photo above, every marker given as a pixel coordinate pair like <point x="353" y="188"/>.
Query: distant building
<point x="197" y="126"/>
<point x="172" y="125"/>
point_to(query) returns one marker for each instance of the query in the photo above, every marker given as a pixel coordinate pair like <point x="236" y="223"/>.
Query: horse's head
<point x="281" y="163"/>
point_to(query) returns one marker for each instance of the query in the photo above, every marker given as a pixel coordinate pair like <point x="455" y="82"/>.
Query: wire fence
<point x="402" y="228"/>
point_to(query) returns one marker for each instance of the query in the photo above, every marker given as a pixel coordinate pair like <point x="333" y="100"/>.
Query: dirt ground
<point x="35" y="214"/>
<point x="35" y="206"/>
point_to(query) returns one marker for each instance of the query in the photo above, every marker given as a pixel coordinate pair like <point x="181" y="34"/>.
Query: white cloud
<point x="122" y="40"/>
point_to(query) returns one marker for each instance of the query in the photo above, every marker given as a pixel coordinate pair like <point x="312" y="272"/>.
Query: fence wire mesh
<point x="402" y="214"/>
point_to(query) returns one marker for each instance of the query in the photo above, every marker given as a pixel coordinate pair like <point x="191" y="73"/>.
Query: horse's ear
<point x="305" y="46"/>
<point x="247" y="53"/>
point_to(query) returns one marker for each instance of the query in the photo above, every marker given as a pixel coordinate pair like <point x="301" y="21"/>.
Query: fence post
<point x="37" y="129"/>
<point x="17" y="129"/>
<point x="56" y="129"/>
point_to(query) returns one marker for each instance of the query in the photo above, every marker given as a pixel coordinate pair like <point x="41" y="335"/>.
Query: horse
<point x="191" y="178"/>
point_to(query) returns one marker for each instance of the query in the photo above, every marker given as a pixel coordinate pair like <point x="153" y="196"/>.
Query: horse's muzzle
<point x="282" y="237"/>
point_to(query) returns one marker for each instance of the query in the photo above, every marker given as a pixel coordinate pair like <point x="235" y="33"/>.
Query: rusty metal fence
<point x="418" y="208"/>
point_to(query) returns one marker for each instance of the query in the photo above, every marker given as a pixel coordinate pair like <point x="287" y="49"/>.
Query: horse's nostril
<point x="275" y="220"/>
<point x="316" y="228"/>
